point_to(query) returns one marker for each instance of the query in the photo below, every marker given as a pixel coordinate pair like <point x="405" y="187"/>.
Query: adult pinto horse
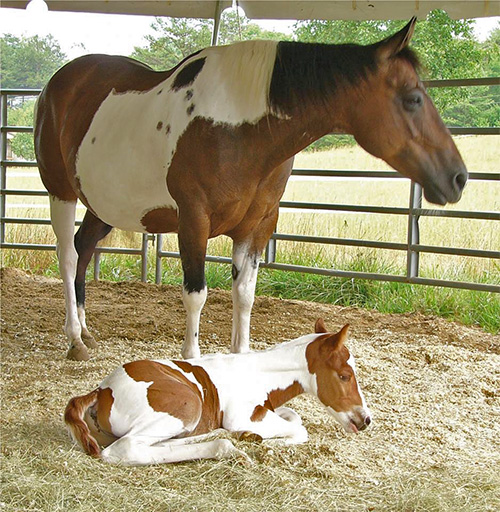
<point x="207" y="148"/>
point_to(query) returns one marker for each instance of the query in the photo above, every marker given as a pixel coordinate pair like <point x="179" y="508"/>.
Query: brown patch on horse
<point x="259" y="413"/>
<point x="104" y="404"/>
<point x="170" y="392"/>
<point x="160" y="220"/>
<point x="212" y="416"/>
<point x="238" y="204"/>
<point x="276" y="398"/>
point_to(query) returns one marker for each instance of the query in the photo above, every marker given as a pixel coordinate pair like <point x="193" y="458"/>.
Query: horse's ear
<point x="394" y="44"/>
<point x="320" y="326"/>
<point x="335" y="341"/>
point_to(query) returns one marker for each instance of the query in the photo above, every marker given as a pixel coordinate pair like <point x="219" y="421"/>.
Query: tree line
<point x="447" y="48"/>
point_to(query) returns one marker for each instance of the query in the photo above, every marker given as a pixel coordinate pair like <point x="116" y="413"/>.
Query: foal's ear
<point x="320" y="326"/>
<point x="394" y="44"/>
<point x="336" y="341"/>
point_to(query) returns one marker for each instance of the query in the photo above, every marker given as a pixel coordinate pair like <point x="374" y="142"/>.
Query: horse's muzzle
<point x="449" y="191"/>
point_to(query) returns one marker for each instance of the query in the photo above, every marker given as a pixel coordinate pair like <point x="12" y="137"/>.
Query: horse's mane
<point x="313" y="71"/>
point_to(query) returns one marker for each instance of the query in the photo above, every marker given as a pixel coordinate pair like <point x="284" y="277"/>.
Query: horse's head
<point x="333" y="366"/>
<point x="395" y="120"/>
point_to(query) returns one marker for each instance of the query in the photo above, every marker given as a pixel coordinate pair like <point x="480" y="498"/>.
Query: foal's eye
<point x="345" y="378"/>
<point x="413" y="100"/>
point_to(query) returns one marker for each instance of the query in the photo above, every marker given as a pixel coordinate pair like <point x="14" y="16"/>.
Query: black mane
<point x="313" y="71"/>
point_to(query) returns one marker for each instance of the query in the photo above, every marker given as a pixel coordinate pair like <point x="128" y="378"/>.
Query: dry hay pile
<point x="432" y="386"/>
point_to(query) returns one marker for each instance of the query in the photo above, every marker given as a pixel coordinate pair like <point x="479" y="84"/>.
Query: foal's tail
<point x="79" y="430"/>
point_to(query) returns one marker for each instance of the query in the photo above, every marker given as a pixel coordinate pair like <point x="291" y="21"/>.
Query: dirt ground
<point x="432" y="385"/>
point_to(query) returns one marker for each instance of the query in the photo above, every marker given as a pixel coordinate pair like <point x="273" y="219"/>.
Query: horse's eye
<point x="345" y="378"/>
<point x="413" y="100"/>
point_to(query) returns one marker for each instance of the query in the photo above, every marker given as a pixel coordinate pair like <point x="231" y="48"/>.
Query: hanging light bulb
<point x="37" y="7"/>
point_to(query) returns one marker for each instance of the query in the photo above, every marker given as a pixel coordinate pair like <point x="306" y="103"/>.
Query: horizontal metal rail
<point x="414" y="212"/>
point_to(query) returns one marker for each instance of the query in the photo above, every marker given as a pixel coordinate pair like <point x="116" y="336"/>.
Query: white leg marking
<point x="193" y="302"/>
<point x="288" y="414"/>
<point x="87" y="338"/>
<point x="139" y="451"/>
<point x="274" y="426"/>
<point x="245" y="269"/>
<point x="62" y="214"/>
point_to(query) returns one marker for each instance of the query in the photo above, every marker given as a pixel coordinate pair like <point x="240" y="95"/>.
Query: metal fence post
<point x="144" y="256"/>
<point x="412" y="259"/>
<point x="3" y="169"/>
<point x="270" y="254"/>
<point x="159" y="243"/>
<point x="97" y="265"/>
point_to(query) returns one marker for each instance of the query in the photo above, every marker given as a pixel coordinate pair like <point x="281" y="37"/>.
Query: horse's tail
<point x="79" y="430"/>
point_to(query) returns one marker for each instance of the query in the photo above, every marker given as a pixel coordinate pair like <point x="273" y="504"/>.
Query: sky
<point x="81" y="33"/>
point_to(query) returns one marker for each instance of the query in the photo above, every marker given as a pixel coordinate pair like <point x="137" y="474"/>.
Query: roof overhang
<point x="278" y="9"/>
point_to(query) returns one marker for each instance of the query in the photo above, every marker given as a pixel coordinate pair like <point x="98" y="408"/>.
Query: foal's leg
<point x="279" y="426"/>
<point x="62" y="214"/>
<point x="193" y="236"/>
<point x="141" y="450"/>
<point x="91" y="231"/>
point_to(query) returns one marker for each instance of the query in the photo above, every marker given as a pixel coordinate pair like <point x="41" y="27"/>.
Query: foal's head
<point x="393" y="118"/>
<point x="335" y="372"/>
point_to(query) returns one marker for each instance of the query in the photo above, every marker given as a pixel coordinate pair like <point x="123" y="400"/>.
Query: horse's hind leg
<point x="62" y="214"/>
<point x="140" y="451"/>
<point x="90" y="232"/>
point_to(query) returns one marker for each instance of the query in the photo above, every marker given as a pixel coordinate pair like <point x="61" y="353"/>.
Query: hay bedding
<point x="433" y="387"/>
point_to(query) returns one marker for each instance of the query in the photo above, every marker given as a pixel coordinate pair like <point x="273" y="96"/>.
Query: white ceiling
<point x="279" y="9"/>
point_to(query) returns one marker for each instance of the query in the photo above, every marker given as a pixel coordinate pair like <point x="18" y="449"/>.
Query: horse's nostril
<point x="461" y="180"/>
<point x="368" y="420"/>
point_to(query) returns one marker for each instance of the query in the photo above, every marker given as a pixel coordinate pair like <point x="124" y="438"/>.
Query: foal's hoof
<point x="250" y="437"/>
<point x="78" y="353"/>
<point x="89" y="340"/>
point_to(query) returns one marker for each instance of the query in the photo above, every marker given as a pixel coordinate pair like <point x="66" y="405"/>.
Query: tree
<point x="176" y="39"/>
<point x="29" y="62"/>
<point x="22" y="143"/>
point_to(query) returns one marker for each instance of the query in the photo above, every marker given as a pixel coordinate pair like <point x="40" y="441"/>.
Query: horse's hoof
<point x="78" y="353"/>
<point x="89" y="340"/>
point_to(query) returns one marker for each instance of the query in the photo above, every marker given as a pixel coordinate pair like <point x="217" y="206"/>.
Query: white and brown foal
<point x="153" y="412"/>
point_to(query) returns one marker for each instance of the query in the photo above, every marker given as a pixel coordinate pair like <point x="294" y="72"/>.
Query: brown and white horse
<point x="153" y="412"/>
<point x="207" y="148"/>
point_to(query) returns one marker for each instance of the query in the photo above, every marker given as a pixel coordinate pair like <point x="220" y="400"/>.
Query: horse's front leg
<point x="193" y="236"/>
<point x="244" y="272"/>
<point x="273" y="426"/>
<point x="246" y="258"/>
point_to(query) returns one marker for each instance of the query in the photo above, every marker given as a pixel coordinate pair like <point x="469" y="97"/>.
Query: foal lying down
<point x="153" y="412"/>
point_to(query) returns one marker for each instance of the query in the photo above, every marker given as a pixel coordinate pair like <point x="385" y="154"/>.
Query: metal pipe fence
<point x="413" y="248"/>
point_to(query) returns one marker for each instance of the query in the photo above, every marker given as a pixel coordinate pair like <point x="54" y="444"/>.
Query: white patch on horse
<point x="124" y="158"/>
<point x="239" y="390"/>
<point x="131" y="413"/>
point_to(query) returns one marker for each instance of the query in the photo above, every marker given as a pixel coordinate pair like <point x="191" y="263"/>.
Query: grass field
<point x="481" y="154"/>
